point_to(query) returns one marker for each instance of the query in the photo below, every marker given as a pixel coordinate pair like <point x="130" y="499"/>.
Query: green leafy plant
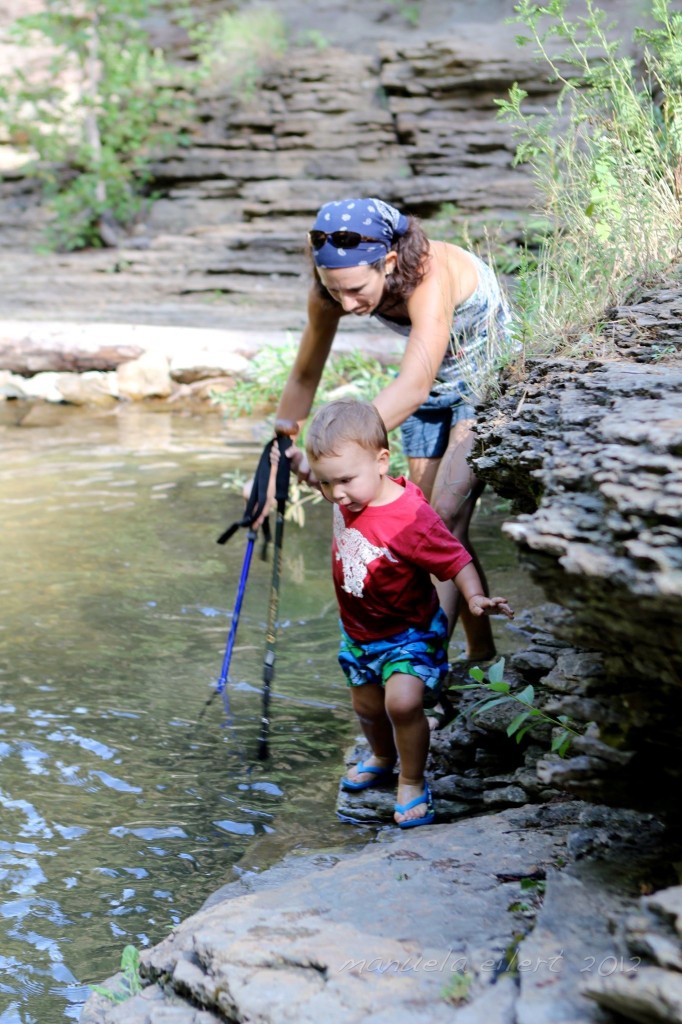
<point x="458" y="987"/>
<point x="509" y="962"/>
<point x="536" y="886"/>
<point x="535" y="889"/>
<point x="261" y="385"/>
<point x="93" y="115"/>
<point x="607" y="162"/>
<point x="520" y="907"/>
<point x="313" y="37"/>
<point x="501" y="693"/>
<point x="131" y="982"/>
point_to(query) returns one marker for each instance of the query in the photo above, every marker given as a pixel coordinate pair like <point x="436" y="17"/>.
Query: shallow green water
<point x="126" y="798"/>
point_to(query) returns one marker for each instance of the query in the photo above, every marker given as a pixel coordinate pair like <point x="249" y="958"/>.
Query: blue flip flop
<point x="381" y="775"/>
<point x="426" y="819"/>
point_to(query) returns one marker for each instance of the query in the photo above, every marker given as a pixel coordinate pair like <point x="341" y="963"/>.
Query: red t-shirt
<point x="382" y="560"/>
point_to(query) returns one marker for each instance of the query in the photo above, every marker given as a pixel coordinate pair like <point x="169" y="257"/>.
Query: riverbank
<point x="102" y="363"/>
<point x="527" y="915"/>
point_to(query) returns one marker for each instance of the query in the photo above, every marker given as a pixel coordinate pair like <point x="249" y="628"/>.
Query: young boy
<point x="387" y="543"/>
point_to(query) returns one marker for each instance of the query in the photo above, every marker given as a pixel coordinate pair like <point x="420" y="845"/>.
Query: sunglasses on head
<point x="342" y="239"/>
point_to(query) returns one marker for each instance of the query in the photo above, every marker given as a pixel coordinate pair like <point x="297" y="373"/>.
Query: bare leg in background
<point x="452" y="490"/>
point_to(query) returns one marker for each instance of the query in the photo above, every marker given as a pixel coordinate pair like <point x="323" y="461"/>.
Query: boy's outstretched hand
<point x="468" y="582"/>
<point x="481" y="605"/>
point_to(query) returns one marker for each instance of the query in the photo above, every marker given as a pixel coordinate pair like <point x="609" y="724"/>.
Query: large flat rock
<point x="425" y="924"/>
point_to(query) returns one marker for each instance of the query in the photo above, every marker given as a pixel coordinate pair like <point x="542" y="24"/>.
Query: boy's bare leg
<point x="404" y="705"/>
<point x="369" y="706"/>
<point x="453" y="490"/>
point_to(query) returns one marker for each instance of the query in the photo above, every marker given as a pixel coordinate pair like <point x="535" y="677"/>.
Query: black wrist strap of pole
<point x="283" y="471"/>
<point x="259" y="490"/>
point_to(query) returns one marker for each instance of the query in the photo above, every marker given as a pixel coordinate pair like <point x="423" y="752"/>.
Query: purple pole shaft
<point x="222" y="680"/>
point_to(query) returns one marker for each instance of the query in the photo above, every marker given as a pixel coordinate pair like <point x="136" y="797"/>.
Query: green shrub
<point x="500" y="692"/>
<point x="607" y="162"/>
<point x="93" y="115"/>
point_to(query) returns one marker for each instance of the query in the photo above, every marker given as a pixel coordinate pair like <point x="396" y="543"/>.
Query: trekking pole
<point x="281" y="495"/>
<point x="254" y="506"/>
<point x="222" y="679"/>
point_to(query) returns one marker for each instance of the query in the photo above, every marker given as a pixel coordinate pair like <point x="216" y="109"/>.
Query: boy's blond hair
<point x="342" y="421"/>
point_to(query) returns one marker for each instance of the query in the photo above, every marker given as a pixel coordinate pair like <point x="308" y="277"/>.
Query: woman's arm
<point x="313" y="351"/>
<point x="447" y="283"/>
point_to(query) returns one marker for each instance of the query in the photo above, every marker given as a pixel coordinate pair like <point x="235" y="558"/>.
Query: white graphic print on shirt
<point x="355" y="553"/>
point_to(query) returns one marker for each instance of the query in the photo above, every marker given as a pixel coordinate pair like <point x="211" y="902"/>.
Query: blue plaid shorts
<point x="414" y="652"/>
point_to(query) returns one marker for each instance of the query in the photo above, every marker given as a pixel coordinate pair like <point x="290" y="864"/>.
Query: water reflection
<point x="127" y="791"/>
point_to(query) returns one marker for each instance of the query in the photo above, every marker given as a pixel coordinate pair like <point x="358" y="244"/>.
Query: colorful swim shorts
<point x="413" y="652"/>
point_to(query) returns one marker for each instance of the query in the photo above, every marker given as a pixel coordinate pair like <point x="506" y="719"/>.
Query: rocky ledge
<point x="590" y="452"/>
<point x="525" y="916"/>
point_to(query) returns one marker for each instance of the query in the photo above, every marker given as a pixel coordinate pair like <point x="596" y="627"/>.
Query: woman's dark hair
<point x="412" y="250"/>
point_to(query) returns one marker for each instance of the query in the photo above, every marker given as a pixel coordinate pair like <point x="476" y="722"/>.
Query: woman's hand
<point x="299" y="460"/>
<point x="299" y="465"/>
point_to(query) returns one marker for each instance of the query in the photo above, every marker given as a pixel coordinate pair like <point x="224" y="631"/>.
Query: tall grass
<point x="608" y="167"/>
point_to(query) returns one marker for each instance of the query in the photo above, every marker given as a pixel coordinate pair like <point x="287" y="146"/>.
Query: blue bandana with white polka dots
<point x="372" y="218"/>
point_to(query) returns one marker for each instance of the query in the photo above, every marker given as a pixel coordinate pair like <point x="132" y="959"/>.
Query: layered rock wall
<point x="591" y="455"/>
<point x="416" y="125"/>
